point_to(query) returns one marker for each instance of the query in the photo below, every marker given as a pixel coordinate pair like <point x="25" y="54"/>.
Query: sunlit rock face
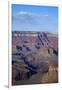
<point x="32" y="55"/>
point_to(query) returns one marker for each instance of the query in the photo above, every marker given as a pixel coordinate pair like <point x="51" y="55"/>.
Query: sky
<point x="34" y="18"/>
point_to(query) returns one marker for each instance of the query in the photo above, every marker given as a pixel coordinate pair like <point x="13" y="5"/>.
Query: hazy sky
<point x="34" y="18"/>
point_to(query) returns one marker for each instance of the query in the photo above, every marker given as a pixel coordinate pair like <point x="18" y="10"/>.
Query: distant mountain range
<point x="28" y="37"/>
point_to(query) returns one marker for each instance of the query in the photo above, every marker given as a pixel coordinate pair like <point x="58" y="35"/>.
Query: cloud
<point x="46" y="15"/>
<point x="28" y="13"/>
<point x="24" y="13"/>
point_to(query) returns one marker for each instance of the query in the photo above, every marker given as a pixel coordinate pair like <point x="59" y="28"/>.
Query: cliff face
<point x="32" y="53"/>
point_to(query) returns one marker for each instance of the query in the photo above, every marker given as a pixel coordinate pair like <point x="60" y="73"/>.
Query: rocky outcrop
<point x="32" y="55"/>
